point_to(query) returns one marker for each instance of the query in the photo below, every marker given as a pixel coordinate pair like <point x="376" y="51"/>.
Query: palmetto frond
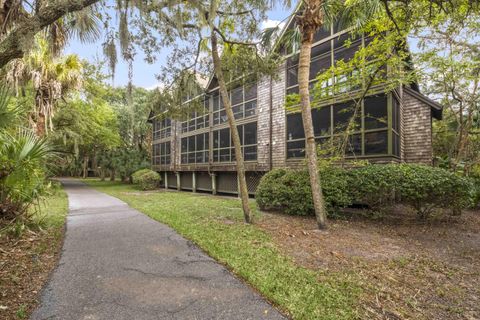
<point x="26" y="146"/>
<point x="84" y="25"/>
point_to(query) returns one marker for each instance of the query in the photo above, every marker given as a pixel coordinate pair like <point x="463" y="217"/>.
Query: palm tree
<point x="52" y="79"/>
<point x="313" y="15"/>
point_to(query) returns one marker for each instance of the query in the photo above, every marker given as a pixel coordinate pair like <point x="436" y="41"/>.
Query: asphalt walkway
<point x="117" y="263"/>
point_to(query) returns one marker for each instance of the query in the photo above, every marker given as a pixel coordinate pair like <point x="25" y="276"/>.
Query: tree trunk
<point x="41" y="125"/>
<point x="304" y="92"/>
<point x="85" y="167"/>
<point x="102" y="174"/>
<point x="112" y="175"/>
<point x="243" y="192"/>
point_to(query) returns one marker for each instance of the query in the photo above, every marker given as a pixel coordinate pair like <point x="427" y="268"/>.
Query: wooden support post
<point x="178" y="182"/>
<point x="214" y="183"/>
<point x="194" y="181"/>
<point x="166" y="180"/>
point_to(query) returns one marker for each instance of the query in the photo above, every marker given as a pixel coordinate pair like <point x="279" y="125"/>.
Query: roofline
<point x="436" y="108"/>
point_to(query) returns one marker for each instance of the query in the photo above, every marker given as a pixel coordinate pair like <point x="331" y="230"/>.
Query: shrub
<point x="146" y="179"/>
<point x="267" y="194"/>
<point x="289" y="190"/>
<point x="422" y="187"/>
<point x="426" y="188"/>
<point x="378" y="186"/>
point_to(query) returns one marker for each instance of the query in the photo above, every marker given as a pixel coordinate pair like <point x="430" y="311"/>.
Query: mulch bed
<point x="25" y="265"/>
<point x="408" y="269"/>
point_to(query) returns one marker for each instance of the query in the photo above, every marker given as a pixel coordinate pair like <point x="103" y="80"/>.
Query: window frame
<point x="195" y="152"/>
<point x="361" y="131"/>
<point x="219" y="115"/>
<point x="217" y="150"/>
<point x="162" y="128"/>
<point x="160" y="156"/>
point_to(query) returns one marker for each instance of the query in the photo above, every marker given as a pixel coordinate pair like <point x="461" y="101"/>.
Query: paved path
<point x="119" y="264"/>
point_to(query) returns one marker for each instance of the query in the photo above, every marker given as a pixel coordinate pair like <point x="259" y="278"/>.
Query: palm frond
<point x="84" y="25"/>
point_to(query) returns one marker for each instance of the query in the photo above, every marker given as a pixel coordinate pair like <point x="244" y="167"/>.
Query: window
<point x="198" y="119"/>
<point x="375" y="112"/>
<point x="223" y="150"/>
<point x="162" y="128"/>
<point x="322" y="55"/>
<point x="161" y="153"/>
<point x="194" y="149"/>
<point x="243" y="100"/>
<point x="342" y="115"/>
<point x="368" y="137"/>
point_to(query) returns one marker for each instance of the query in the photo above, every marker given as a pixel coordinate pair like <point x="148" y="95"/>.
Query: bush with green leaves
<point x="146" y="179"/>
<point x="421" y="187"/>
<point x="426" y="188"/>
<point x="376" y="186"/>
<point x="290" y="191"/>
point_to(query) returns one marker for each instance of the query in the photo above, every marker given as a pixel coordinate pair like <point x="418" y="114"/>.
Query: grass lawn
<point x="28" y="254"/>
<point x="216" y="225"/>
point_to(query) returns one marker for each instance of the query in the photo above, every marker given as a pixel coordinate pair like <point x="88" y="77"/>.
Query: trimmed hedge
<point x="289" y="191"/>
<point x="379" y="187"/>
<point x="146" y="179"/>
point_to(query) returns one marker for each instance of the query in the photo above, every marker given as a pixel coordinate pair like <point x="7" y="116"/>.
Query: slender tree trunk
<point x="217" y="65"/>
<point x="112" y="175"/>
<point x="102" y="174"/>
<point x="85" y="167"/>
<point x="309" y="26"/>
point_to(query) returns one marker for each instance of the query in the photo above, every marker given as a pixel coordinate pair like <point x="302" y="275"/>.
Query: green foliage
<point x="22" y="170"/>
<point x="376" y="186"/>
<point x="476" y="192"/>
<point x="22" y="173"/>
<point x="146" y="179"/>
<point x="421" y="187"/>
<point x="426" y="188"/>
<point x="289" y="190"/>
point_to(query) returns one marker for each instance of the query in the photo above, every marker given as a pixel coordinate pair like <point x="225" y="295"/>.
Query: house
<point x="198" y="154"/>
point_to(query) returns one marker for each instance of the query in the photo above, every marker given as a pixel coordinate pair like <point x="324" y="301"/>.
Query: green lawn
<point x="216" y="225"/>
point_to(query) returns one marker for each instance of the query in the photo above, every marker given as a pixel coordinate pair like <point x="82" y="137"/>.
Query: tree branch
<point x="20" y="37"/>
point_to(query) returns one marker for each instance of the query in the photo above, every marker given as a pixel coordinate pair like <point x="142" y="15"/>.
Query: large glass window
<point x="340" y="47"/>
<point x="198" y="119"/>
<point x="162" y="128"/>
<point x="194" y="149"/>
<point x="223" y="150"/>
<point x="244" y="103"/>
<point x="367" y="137"/>
<point x="161" y="153"/>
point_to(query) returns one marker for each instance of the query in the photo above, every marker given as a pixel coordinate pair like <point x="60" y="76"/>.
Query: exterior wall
<point x="416" y="130"/>
<point x="271" y="121"/>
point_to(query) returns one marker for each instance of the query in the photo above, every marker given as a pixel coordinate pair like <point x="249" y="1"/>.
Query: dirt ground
<point x="408" y="269"/>
<point x="25" y="264"/>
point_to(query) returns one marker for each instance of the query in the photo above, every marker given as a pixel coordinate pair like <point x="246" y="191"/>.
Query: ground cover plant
<point x="28" y="253"/>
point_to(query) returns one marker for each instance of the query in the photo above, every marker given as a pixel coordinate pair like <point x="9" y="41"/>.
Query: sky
<point x="144" y="73"/>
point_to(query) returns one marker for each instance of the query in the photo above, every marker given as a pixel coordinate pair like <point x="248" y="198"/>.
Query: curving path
<point x="117" y="263"/>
